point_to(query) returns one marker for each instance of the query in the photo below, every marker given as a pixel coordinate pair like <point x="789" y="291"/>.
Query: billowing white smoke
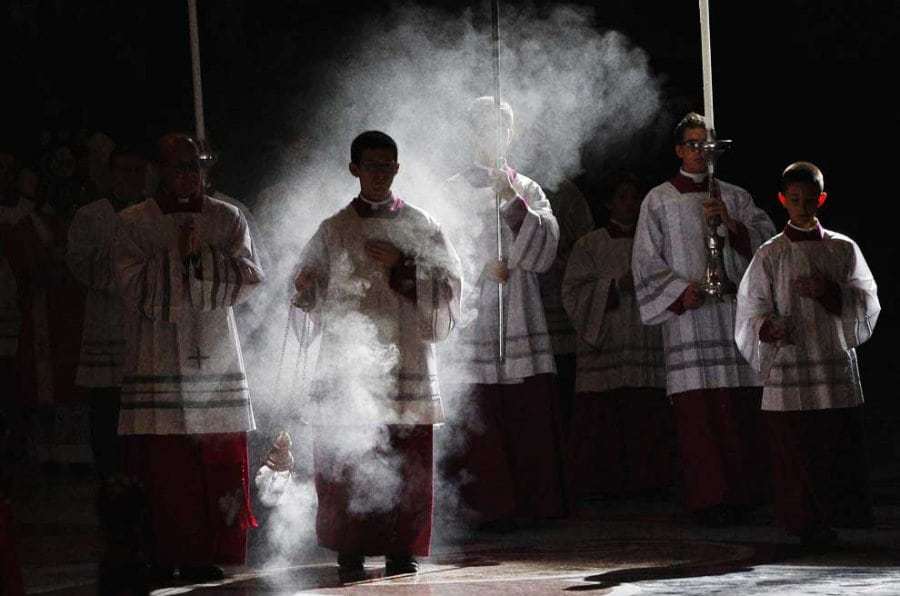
<point x="413" y="74"/>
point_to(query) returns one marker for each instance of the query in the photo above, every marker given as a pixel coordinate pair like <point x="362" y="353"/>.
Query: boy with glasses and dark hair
<point x="381" y="285"/>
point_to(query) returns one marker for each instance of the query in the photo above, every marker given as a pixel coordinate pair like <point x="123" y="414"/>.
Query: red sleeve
<point x="740" y="240"/>
<point x="514" y="213"/>
<point x="403" y="278"/>
<point x="831" y="300"/>
<point x="677" y="307"/>
<point x="765" y="333"/>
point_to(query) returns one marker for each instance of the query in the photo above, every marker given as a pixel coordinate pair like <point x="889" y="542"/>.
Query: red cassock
<point x="350" y="520"/>
<point x="52" y="305"/>
<point x="510" y="465"/>
<point x="199" y="490"/>
<point x="819" y="468"/>
<point x="621" y="443"/>
<point x="722" y="447"/>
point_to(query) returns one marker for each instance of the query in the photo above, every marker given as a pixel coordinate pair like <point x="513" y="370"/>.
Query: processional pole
<point x="199" y="124"/>
<point x="500" y="165"/>
<point x="715" y="279"/>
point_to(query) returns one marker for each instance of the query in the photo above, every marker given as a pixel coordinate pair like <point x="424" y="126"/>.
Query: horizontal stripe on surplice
<point x="185" y="404"/>
<point x="100" y="364"/>
<point x="705" y="363"/>
<point x="509" y="339"/>
<point x="184" y="378"/>
<point x="511" y="356"/>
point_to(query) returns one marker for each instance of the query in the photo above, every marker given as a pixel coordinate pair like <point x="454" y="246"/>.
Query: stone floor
<point x="605" y="548"/>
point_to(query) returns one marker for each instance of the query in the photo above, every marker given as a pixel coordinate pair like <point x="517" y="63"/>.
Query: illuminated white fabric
<point x="818" y="369"/>
<point x="471" y="356"/>
<point x="183" y="371"/>
<point x="669" y="252"/>
<point x="614" y="348"/>
<point x="376" y="361"/>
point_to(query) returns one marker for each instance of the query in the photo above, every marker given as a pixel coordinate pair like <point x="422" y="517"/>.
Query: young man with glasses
<point x="714" y="392"/>
<point x="381" y="285"/>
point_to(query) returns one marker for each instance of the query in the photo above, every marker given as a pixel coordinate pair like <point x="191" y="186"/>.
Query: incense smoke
<point x="413" y="74"/>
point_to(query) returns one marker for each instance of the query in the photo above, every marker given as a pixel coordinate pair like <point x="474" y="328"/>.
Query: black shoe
<point x="400" y="565"/>
<point x="200" y="573"/>
<point x="351" y="567"/>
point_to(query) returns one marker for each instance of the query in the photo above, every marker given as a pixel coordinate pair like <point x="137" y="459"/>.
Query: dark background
<point x="796" y="79"/>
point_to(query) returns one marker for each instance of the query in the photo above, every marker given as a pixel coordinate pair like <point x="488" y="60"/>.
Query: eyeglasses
<point x="380" y="167"/>
<point x="694" y="145"/>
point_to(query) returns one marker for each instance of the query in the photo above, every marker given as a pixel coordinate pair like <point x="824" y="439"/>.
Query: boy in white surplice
<point x="620" y="397"/>
<point x="807" y="300"/>
<point x="715" y="394"/>
<point x="382" y="285"/>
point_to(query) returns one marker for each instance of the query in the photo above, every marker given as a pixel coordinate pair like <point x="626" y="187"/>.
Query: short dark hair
<point x="612" y="181"/>
<point x="802" y="171"/>
<point x="691" y="120"/>
<point x="371" y="139"/>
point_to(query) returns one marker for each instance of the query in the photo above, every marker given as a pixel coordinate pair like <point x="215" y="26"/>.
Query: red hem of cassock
<point x="397" y="470"/>
<point x="198" y="491"/>
<point x="622" y="443"/>
<point x="721" y="447"/>
<point x="819" y="468"/>
<point x="511" y="464"/>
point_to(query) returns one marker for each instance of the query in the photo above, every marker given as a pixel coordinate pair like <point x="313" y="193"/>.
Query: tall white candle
<point x="707" y="65"/>
<point x="195" y="71"/>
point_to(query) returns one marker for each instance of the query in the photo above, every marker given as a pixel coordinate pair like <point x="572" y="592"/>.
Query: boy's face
<point x="376" y="170"/>
<point x="625" y="204"/>
<point x="692" y="160"/>
<point x="801" y="202"/>
<point x="483" y="137"/>
<point x="129" y="176"/>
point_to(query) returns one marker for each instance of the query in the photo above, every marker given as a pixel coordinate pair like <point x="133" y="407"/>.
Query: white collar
<point x="809" y="229"/>
<point x="694" y="177"/>
<point x="376" y="204"/>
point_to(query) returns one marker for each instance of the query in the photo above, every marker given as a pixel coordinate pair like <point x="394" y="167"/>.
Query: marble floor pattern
<point x="618" y="548"/>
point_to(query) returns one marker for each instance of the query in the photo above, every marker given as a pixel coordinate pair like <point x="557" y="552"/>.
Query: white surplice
<point x="817" y="368"/>
<point x="669" y="253"/>
<point x="471" y="355"/>
<point x="183" y="371"/>
<point x="89" y="257"/>
<point x="376" y="362"/>
<point x="614" y="348"/>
